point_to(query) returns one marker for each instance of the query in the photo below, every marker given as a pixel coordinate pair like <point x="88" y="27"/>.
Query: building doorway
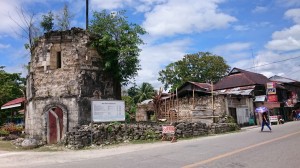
<point x="55" y="125"/>
<point x="232" y="112"/>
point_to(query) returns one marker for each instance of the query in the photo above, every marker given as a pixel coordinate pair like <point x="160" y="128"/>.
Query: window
<point x="58" y="60"/>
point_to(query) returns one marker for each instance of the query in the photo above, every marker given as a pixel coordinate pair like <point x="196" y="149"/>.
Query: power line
<point x="290" y="73"/>
<point x="273" y="62"/>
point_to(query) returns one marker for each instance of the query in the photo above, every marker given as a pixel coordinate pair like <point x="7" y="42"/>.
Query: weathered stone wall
<point x="64" y="71"/>
<point x="36" y="118"/>
<point x="105" y="134"/>
<point x="187" y="109"/>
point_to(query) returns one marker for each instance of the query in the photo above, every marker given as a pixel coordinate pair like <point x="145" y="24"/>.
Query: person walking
<point x="265" y="121"/>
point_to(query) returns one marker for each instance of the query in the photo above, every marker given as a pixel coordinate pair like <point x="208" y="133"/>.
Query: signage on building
<point x="271" y="85"/>
<point x="272" y="98"/>
<point x="271" y="88"/>
<point x="169" y="129"/>
<point x="272" y="105"/>
<point x="108" y="110"/>
<point x="294" y="97"/>
<point x="271" y="91"/>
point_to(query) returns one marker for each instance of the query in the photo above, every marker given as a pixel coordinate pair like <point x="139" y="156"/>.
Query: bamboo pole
<point x="165" y="106"/>
<point x="212" y="101"/>
<point x="177" y="104"/>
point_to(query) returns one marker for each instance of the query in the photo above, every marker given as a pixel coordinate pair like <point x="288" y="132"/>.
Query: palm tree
<point x="144" y="92"/>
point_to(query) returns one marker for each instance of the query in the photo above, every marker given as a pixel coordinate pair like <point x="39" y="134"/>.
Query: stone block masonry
<point x="113" y="133"/>
<point x="64" y="73"/>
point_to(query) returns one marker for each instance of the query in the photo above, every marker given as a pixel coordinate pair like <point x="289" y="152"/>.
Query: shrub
<point x="3" y="132"/>
<point x="12" y="128"/>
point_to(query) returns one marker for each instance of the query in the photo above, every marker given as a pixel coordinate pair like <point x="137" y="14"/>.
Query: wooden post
<point x="212" y="101"/>
<point x="165" y="106"/>
<point x="193" y="99"/>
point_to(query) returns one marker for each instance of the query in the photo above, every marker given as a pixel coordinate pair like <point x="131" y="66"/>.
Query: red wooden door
<point x="55" y="117"/>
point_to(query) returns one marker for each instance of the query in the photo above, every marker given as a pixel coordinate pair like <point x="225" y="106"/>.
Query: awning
<point x="13" y="103"/>
<point x="235" y="91"/>
<point x="260" y="98"/>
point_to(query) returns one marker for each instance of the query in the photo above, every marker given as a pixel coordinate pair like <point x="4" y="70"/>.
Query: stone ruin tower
<point x="64" y="76"/>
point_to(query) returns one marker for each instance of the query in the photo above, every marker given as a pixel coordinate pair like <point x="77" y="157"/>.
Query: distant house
<point x="16" y="107"/>
<point x="237" y="95"/>
<point x="190" y="102"/>
<point x="241" y="88"/>
<point x="287" y="96"/>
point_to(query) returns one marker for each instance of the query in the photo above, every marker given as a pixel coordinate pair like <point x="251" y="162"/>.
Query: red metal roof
<point x="14" y="102"/>
<point x="206" y="86"/>
<point x="238" y="77"/>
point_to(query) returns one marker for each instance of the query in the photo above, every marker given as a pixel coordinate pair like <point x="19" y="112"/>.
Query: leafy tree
<point x="63" y="19"/>
<point x="117" y="42"/>
<point x="12" y="86"/>
<point x="47" y="22"/>
<point x="144" y="92"/>
<point x="132" y="91"/>
<point x="130" y="108"/>
<point x="198" y="67"/>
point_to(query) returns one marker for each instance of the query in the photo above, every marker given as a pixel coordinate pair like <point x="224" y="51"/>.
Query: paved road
<point x="246" y="149"/>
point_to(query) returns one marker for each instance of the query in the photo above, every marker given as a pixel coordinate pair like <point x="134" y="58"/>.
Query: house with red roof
<point x="247" y="90"/>
<point x="13" y="103"/>
<point x="237" y="94"/>
<point x="241" y="88"/>
<point x="16" y="106"/>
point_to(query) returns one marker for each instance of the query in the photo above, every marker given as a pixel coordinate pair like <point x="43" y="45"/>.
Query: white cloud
<point x="271" y="63"/>
<point x="12" y="18"/>
<point x="147" y="5"/>
<point x="2" y="46"/>
<point x="108" y="4"/>
<point x="241" y="27"/>
<point x="293" y="14"/>
<point x="155" y="57"/>
<point x="7" y="10"/>
<point x="285" y="40"/>
<point x="185" y="17"/>
<point x="232" y="47"/>
<point x="259" y="9"/>
<point x="17" y="69"/>
<point x="233" y="51"/>
<point x="288" y="3"/>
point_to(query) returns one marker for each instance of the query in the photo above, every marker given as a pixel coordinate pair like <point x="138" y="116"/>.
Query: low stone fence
<point x="105" y="134"/>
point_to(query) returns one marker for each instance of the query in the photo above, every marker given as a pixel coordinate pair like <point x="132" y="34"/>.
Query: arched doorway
<point x="55" y="125"/>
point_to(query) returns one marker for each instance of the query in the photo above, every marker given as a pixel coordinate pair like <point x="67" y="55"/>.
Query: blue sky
<point x="246" y="33"/>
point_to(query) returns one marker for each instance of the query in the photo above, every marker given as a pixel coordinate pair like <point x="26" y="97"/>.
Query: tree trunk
<point x="117" y="89"/>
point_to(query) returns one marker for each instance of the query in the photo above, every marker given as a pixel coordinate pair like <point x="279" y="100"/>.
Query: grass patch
<point x="8" y="146"/>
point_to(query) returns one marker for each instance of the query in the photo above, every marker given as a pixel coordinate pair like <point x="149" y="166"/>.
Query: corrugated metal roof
<point x="260" y="98"/>
<point x="282" y="79"/>
<point x="146" y="101"/>
<point x="238" y="77"/>
<point x="13" y="103"/>
<point x="236" y="91"/>
<point x="205" y="86"/>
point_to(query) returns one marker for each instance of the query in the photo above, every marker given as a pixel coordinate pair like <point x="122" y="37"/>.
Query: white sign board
<point x="108" y="110"/>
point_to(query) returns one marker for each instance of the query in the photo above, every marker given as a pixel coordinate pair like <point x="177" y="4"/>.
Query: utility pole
<point x="212" y="101"/>
<point x="87" y="14"/>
